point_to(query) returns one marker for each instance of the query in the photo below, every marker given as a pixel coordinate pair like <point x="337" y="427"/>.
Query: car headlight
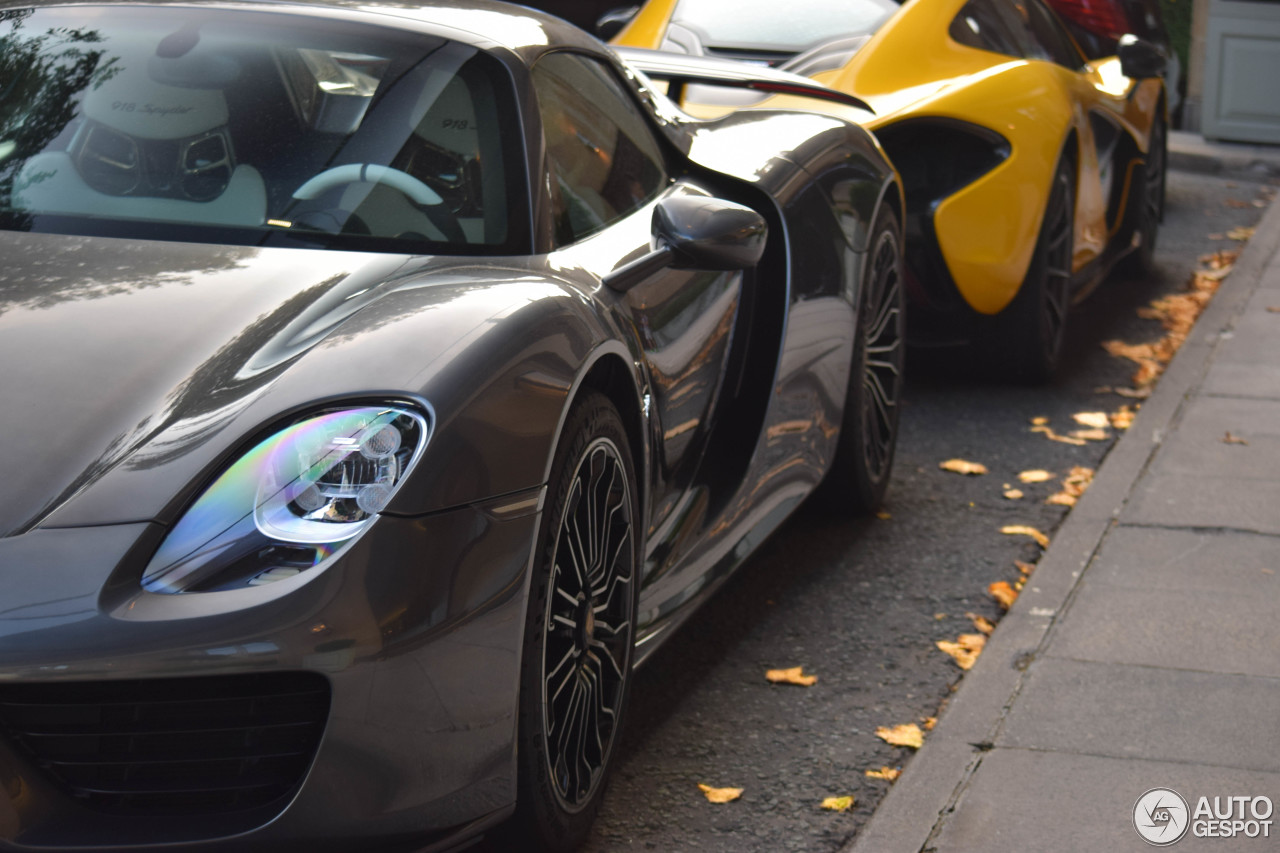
<point x="291" y="502"/>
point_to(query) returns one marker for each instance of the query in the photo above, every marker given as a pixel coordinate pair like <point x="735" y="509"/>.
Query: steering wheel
<point x="427" y="199"/>
<point x="353" y="173"/>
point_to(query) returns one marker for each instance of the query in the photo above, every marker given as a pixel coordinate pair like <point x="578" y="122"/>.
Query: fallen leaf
<point x="939" y="616"/>
<point x="1013" y="494"/>
<point x="889" y="774"/>
<point x="1241" y="233"/>
<point x="794" y="675"/>
<point x="1004" y="594"/>
<point x="1228" y="438"/>
<point x="1091" y="434"/>
<point x="1220" y="259"/>
<point x="1024" y="530"/>
<point x="1053" y="436"/>
<point x="907" y="734"/>
<point x="883" y="516"/>
<point x="720" y="795"/>
<point x="1273" y="309"/>
<point x="838" y="804"/>
<point x="962" y="466"/>
<point x="1039" y="421"/>
<point x="1097" y="420"/>
<point x="964" y="654"/>
<point x="1134" y="393"/>
<point x="1036" y="475"/>
<point x="1122" y="418"/>
<point x="1061" y="499"/>
<point x="928" y="723"/>
<point x="1077" y="480"/>
<point x="981" y="623"/>
<point x="1236" y="203"/>
<point x="1025" y="567"/>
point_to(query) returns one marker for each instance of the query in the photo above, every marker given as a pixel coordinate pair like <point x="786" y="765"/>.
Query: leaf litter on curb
<point x="794" y="675"/>
<point x="1037" y="475"/>
<point x="720" y="795"/>
<point x="1228" y="438"/>
<point x="906" y="734"/>
<point x="1096" y="420"/>
<point x="963" y="466"/>
<point x="838" y="804"/>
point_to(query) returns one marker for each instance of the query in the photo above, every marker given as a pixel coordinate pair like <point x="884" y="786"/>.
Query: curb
<point x="913" y="812"/>
<point x="1191" y="152"/>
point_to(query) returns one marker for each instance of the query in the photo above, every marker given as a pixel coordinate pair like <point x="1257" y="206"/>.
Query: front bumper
<point x="416" y="629"/>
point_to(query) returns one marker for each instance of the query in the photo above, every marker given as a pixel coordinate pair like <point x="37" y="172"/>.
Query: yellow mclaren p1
<point x="1029" y="171"/>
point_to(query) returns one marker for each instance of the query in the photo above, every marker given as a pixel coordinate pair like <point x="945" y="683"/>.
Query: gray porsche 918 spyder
<point x="381" y="384"/>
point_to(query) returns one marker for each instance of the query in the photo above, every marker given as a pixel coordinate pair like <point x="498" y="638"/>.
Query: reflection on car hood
<point x="106" y="342"/>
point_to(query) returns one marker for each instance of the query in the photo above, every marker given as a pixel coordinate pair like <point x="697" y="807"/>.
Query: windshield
<point x="257" y="128"/>
<point x="787" y="27"/>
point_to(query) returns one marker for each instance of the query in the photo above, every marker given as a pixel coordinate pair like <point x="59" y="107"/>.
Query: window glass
<point x="980" y="24"/>
<point x="244" y="127"/>
<point x="770" y="25"/>
<point x="1050" y="35"/>
<point x="603" y="161"/>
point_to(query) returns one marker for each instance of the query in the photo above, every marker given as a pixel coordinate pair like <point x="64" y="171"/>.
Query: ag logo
<point x="1161" y="816"/>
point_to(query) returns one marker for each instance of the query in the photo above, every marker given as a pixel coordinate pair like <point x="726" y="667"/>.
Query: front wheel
<point x="1031" y="330"/>
<point x="869" y="431"/>
<point x="1148" y="199"/>
<point x="580" y="631"/>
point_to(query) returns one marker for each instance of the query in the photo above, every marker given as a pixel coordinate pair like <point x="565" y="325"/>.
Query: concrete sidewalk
<point x="1144" y="651"/>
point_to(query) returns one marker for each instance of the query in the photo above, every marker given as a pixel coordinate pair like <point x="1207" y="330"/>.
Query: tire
<point x="579" y="631"/>
<point x="1148" y="198"/>
<point x="860" y="474"/>
<point x="1029" y="333"/>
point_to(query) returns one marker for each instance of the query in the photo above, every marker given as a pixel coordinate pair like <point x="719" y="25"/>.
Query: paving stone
<point x="1188" y="500"/>
<point x="1189" y="561"/>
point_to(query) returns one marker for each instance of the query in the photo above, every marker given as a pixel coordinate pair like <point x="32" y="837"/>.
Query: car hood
<point x="105" y="343"/>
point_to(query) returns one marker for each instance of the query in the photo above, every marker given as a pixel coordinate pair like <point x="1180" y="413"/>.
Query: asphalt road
<point x="861" y="602"/>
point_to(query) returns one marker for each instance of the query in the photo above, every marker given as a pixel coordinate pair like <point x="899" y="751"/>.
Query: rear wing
<point x="679" y="70"/>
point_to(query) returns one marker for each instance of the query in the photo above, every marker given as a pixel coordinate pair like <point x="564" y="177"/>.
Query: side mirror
<point x="710" y="233"/>
<point x="612" y="22"/>
<point x="1139" y="58"/>
<point x="697" y="233"/>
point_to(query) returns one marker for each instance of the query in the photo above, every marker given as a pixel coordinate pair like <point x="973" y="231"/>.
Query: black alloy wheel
<point x="580" y="630"/>
<point x="1148" y="196"/>
<point x="1030" y="332"/>
<point x="869" y="432"/>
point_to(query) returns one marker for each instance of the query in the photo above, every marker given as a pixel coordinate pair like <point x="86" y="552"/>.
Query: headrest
<point x="134" y="103"/>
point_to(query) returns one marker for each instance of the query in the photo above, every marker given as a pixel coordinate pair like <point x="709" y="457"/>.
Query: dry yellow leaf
<point x="1024" y="530"/>
<point x="928" y="723"/>
<point x="1040" y="420"/>
<point x="838" y="804"/>
<point x="907" y="734"/>
<point x="1013" y="494"/>
<point x="1077" y="480"/>
<point x="889" y="774"/>
<point x="963" y="466"/>
<point x="720" y="795"/>
<point x="939" y="616"/>
<point x="1228" y="438"/>
<point x="1004" y="594"/>
<point x="1097" y="420"/>
<point x="1091" y="434"/>
<point x="1025" y="567"/>
<point x="1061" y="499"/>
<point x="1037" y="475"/>
<point x="794" y="675"/>
<point x="883" y="516"/>
<point x="981" y="623"/>
<point x="1273" y="309"/>
<point x="1053" y="436"/>
<point x="1122" y="418"/>
<point x="1134" y="393"/>
<point x="964" y="658"/>
<point x="1240" y="233"/>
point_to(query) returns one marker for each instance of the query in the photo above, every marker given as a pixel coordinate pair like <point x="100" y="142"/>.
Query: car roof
<point x="526" y="32"/>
